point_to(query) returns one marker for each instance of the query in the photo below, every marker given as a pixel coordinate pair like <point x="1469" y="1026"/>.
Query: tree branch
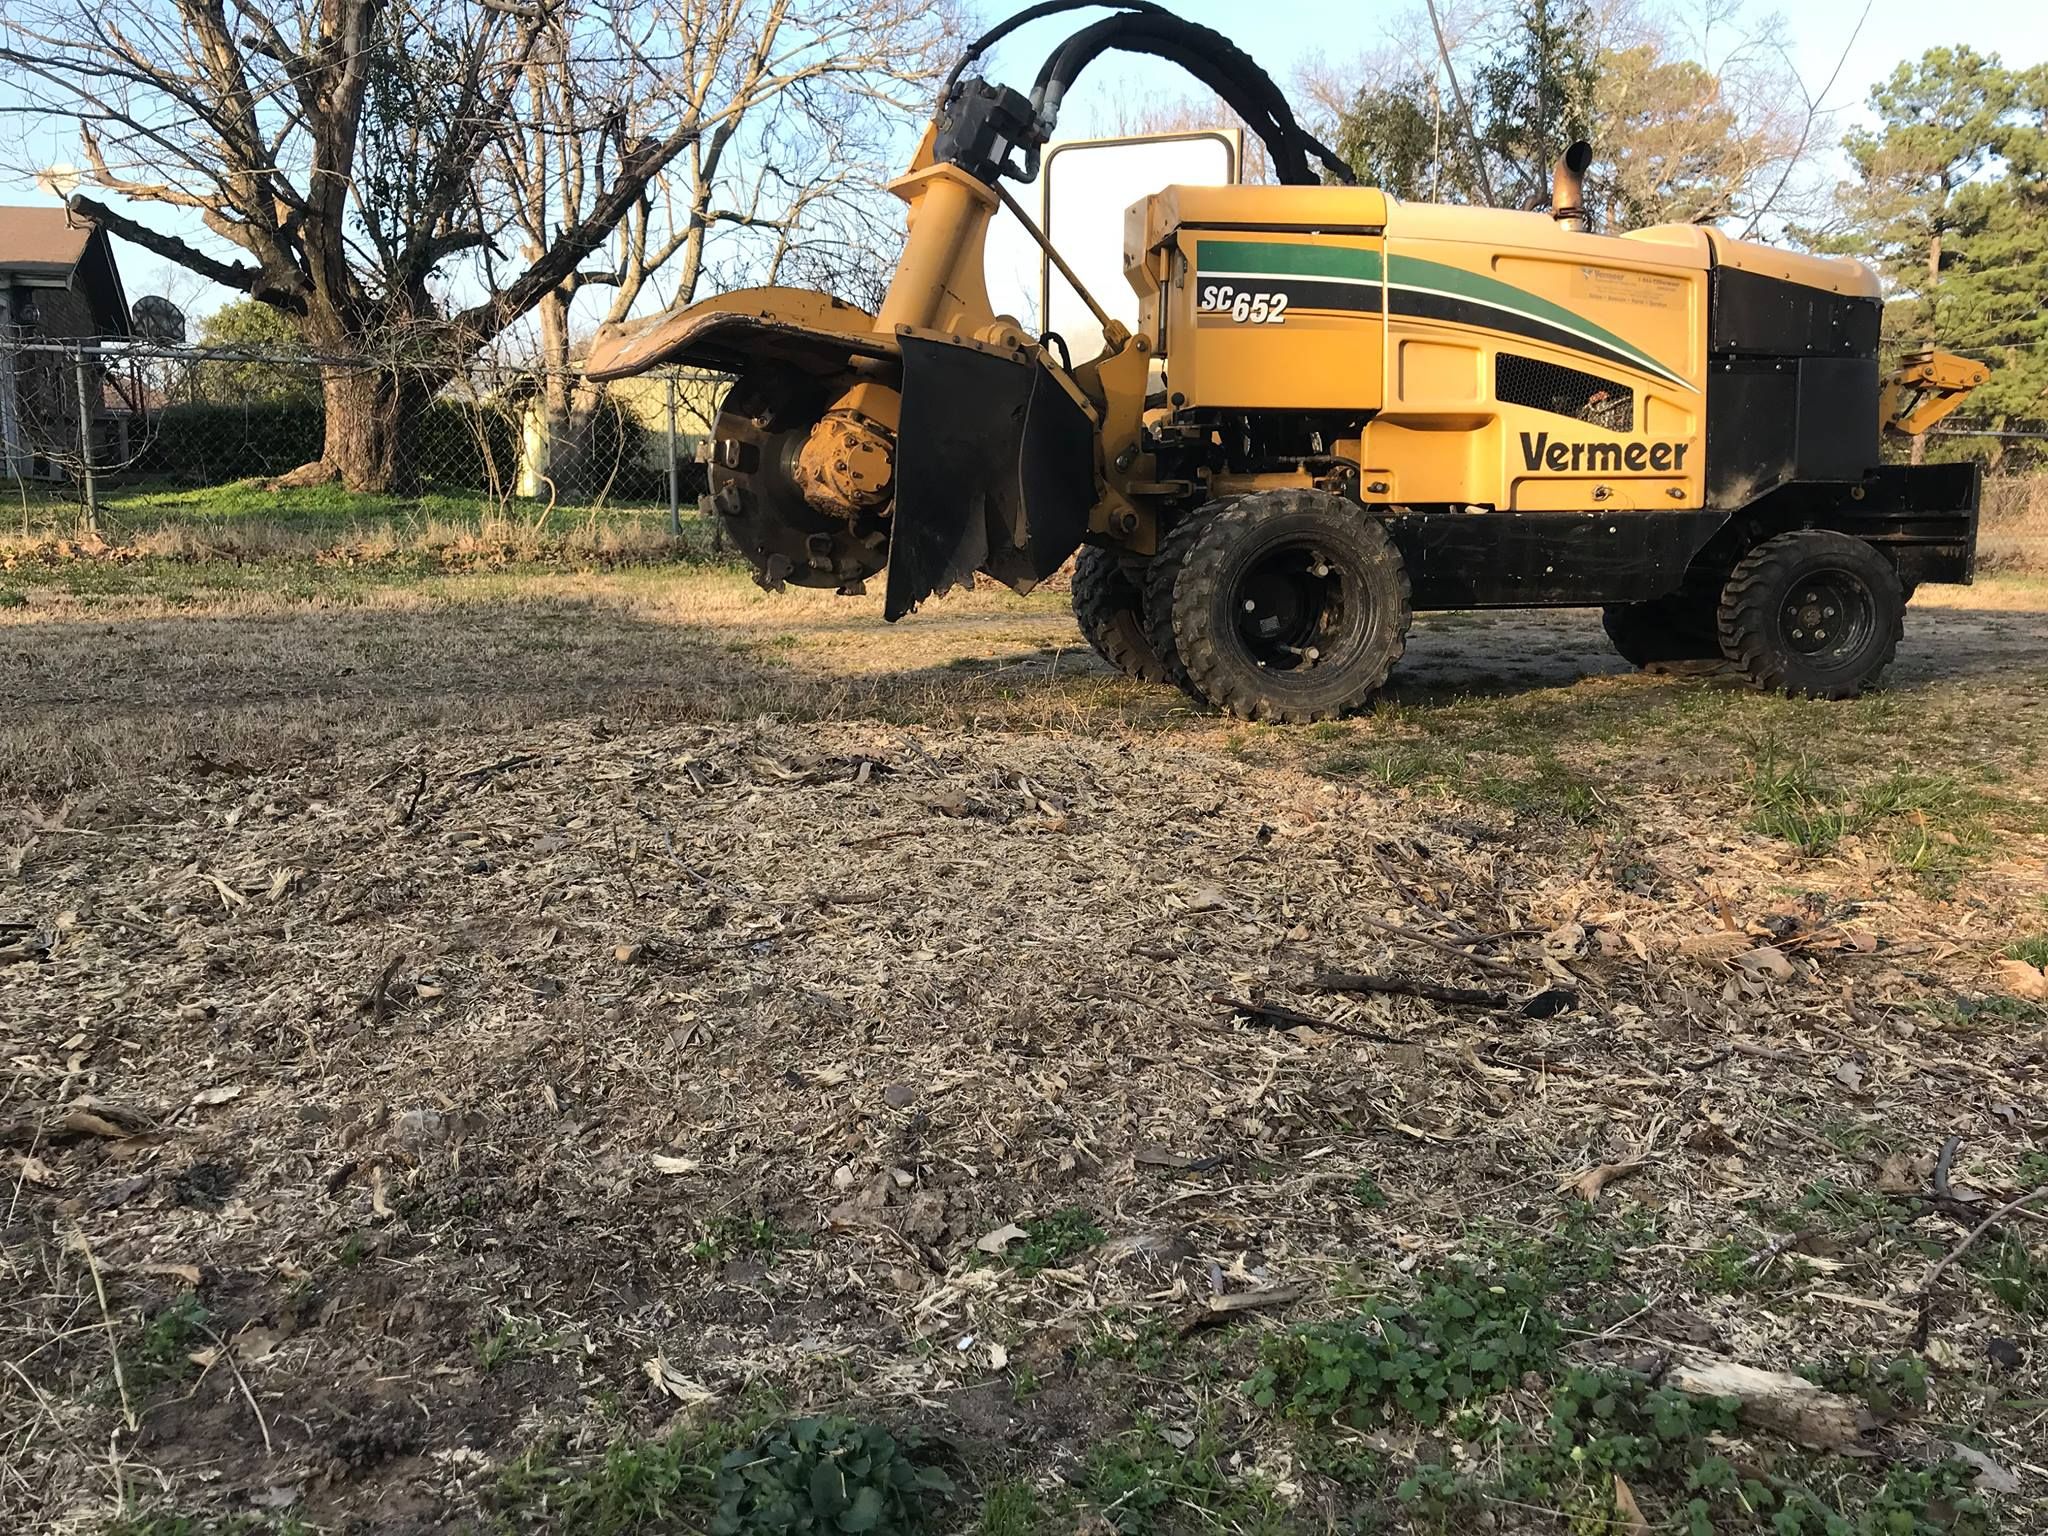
<point x="170" y="247"/>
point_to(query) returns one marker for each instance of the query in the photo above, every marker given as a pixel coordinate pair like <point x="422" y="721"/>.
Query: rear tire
<point x="1664" y="629"/>
<point x="1109" y="607"/>
<point x="1287" y="606"/>
<point x="1814" y="614"/>
<point x="1161" y="576"/>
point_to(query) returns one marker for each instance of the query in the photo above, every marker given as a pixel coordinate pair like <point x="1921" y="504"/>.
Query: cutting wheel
<point x="762" y="427"/>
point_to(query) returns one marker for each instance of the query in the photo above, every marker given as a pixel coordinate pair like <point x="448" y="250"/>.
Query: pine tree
<point x="1950" y="205"/>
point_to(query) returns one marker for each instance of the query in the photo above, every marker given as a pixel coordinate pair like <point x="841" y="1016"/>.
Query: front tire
<point x="1287" y="606"/>
<point x="1109" y="607"/>
<point x="1813" y="614"/>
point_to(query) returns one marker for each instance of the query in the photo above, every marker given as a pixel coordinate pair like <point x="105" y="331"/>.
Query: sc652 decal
<point x="1246" y="306"/>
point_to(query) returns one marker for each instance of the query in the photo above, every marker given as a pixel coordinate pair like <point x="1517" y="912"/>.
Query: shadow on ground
<point x="93" y="698"/>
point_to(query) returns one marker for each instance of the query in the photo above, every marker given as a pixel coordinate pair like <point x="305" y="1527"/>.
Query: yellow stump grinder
<point x="1336" y="408"/>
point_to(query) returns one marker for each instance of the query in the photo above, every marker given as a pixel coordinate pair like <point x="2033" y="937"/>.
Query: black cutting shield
<point x="995" y="472"/>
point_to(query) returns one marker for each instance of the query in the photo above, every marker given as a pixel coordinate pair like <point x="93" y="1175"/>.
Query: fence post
<point x="675" y="479"/>
<point x="81" y="371"/>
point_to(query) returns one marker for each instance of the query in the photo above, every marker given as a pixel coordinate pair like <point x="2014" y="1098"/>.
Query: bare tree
<point x="809" y="106"/>
<point x="337" y="149"/>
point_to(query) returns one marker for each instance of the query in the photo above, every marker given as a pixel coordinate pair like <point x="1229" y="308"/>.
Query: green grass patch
<point x="513" y="1339"/>
<point x="2010" y="1270"/>
<point x="1931" y="824"/>
<point x="1543" y="786"/>
<point x="1010" y="1509"/>
<point x="1471" y="1332"/>
<point x="727" y="1237"/>
<point x="1978" y="1013"/>
<point x="162" y="1351"/>
<point x="1826" y="1206"/>
<point x="2033" y="949"/>
<point x="1392" y="765"/>
<point x="1157" y="1478"/>
<point x="1667" y="1447"/>
<point x="750" y="1475"/>
<point x="1049" y="1241"/>
<point x="147" y="505"/>
<point x="1725" y="1269"/>
<point x="1447" y="1357"/>
<point x="1147" y="1344"/>
<point x="172" y="1523"/>
<point x="1890" y="1389"/>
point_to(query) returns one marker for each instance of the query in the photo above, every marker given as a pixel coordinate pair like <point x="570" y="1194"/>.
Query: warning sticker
<point x="1634" y="290"/>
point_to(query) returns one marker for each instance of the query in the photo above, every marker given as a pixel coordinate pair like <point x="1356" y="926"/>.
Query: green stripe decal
<point x="1264" y="258"/>
<point x="1260" y="258"/>
<point x="1414" y="272"/>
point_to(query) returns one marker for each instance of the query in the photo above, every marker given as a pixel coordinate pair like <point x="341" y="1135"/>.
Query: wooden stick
<point x="1484" y="962"/>
<point x="1927" y="1286"/>
<point x="228" y="1354"/>
<point x="107" y="1317"/>
<point x="1274" y="1017"/>
<point x="1358" y="981"/>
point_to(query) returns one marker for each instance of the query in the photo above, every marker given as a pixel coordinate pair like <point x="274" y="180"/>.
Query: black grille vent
<point x="1564" y="391"/>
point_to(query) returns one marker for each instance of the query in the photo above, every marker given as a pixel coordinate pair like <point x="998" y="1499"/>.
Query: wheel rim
<point x="1296" y="609"/>
<point x="1827" y="614"/>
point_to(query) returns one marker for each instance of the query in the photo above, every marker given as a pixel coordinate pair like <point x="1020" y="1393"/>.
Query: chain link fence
<point x="84" y="421"/>
<point x="2012" y="530"/>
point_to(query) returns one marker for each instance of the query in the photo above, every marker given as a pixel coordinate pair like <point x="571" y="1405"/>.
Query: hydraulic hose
<point x="1031" y="13"/>
<point x="1214" y="60"/>
<point x="1143" y="26"/>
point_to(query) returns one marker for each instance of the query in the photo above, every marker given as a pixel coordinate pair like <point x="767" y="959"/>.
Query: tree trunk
<point x="361" y="443"/>
<point x="1916" y="452"/>
<point x="568" y="402"/>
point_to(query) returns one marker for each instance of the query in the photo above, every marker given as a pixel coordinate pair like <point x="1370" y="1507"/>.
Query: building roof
<point x="46" y="247"/>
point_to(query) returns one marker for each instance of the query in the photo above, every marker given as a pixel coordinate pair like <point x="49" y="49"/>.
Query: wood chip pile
<point x="468" y="1092"/>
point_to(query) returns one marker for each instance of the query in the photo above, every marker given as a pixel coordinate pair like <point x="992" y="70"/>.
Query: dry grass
<point x="455" y="996"/>
<point x="489" y="540"/>
<point x="2013" y="530"/>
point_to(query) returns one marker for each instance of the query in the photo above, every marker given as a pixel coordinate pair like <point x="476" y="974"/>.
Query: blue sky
<point x="1287" y="32"/>
<point x="1290" y="31"/>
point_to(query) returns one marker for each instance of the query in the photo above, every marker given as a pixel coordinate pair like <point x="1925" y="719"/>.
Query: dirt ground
<point x="462" y="1036"/>
<point x="109" y="685"/>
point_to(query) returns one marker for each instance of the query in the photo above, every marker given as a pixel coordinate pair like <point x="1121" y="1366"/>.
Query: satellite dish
<point x="59" y="181"/>
<point x="158" y="319"/>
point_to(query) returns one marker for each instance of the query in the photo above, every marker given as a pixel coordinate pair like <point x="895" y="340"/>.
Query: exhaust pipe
<point x="1568" y="187"/>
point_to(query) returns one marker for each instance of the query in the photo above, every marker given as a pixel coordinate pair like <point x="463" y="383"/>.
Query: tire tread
<point x="1109" y="607"/>
<point x="1200" y="565"/>
<point x="1162" y="580"/>
<point x="1744" y="620"/>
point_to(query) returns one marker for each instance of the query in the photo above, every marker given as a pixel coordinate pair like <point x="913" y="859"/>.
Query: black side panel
<point x="1554" y="559"/>
<point x="1791" y="386"/>
<point x="995" y="472"/>
<point x="1837" y="418"/>
<point x="1752" y="316"/>
<point x="1775" y="420"/>
<point x="1924" y="516"/>
<point x="1752" y="429"/>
